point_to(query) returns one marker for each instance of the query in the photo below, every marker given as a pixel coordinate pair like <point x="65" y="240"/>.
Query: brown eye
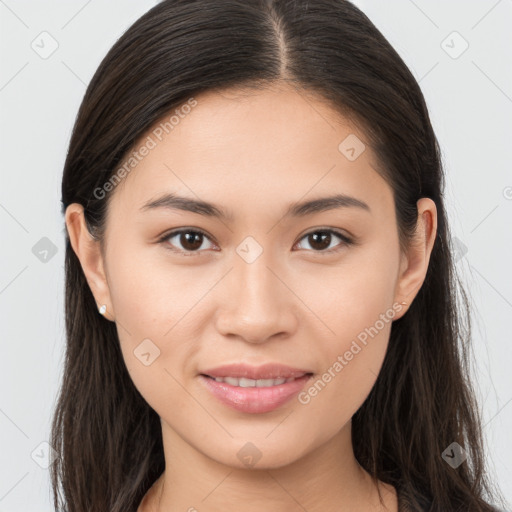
<point x="187" y="240"/>
<point x="321" y="239"/>
<point x="190" y="241"/>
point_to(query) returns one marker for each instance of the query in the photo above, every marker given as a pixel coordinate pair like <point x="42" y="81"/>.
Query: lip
<point x="265" y="371"/>
<point x="254" y="399"/>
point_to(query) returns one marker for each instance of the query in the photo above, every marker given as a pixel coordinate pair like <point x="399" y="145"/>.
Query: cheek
<point x="355" y="304"/>
<point x="151" y="296"/>
<point x="351" y="294"/>
<point x="350" y="369"/>
<point x="156" y="309"/>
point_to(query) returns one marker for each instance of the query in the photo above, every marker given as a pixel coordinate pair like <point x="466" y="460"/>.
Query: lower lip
<point x="254" y="399"/>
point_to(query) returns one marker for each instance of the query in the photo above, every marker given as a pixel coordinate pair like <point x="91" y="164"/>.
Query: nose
<point x="256" y="303"/>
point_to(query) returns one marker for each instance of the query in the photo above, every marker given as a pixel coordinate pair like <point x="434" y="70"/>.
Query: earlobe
<point x="88" y="251"/>
<point x="412" y="274"/>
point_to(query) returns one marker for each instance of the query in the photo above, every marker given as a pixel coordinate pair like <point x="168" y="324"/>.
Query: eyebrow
<point x="298" y="209"/>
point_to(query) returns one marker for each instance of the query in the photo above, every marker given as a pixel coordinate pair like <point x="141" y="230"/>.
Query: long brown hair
<point x="108" y="437"/>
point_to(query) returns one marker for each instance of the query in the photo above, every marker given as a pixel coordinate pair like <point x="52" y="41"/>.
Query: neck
<point x="328" y="478"/>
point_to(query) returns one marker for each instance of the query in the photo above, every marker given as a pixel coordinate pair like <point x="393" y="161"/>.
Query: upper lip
<point x="265" y="371"/>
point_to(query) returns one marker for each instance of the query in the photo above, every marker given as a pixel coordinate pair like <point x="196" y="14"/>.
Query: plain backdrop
<point x="459" y="51"/>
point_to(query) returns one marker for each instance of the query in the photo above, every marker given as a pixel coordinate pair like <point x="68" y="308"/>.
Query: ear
<point x="414" y="264"/>
<point x="88" y="251"/>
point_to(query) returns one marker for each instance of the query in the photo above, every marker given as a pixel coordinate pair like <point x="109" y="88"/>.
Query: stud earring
<point x="103" y="309"/>
<point x="404" y="303"/>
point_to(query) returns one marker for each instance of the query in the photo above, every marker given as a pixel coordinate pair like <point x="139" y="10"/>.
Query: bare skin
<point x="295" y="304"/>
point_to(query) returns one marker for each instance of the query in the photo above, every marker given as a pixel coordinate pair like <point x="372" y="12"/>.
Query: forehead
<point x="251" y="149"/>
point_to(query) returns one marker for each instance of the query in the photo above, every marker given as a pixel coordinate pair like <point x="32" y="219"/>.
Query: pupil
<point x="189" y="240"/>
<point x="323" y="235"/>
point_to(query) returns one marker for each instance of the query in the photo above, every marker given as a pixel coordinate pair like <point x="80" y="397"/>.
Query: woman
<point x="260" y="294"/>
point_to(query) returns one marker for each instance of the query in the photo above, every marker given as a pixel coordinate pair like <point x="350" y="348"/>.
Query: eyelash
<point x="346" y="240"/>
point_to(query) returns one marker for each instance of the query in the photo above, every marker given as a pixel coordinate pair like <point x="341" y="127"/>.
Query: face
<point x="315" y="290"/>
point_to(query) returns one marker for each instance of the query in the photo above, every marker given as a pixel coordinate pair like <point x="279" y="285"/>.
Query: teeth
<point x="251" y="383"/>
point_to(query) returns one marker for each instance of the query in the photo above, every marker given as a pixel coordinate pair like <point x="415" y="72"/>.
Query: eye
<point x="190" y="239"/>
<point x="321" y="239"/>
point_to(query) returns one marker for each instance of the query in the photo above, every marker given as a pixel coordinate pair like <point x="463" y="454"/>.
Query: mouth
<point x="254" y="396"/>
<point x="267" y="371"/>
<point x="244" y="382"/>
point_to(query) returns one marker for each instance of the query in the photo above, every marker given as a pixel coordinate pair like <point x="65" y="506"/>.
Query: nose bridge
<point x="257" y="284"/>
<point x="258" y="305"/>
<point x="257" y="290"/>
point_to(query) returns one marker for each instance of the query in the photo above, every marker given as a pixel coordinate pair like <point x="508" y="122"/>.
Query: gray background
<point x="469" y="94"/>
